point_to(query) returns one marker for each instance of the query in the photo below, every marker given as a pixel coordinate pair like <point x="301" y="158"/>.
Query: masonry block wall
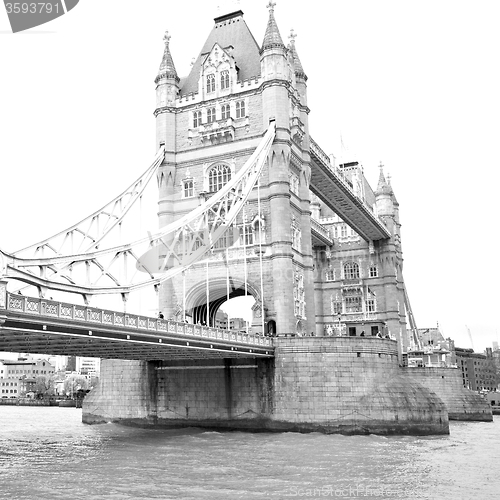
<point x="351" y="385"/>
<point x="126" y="393"/>
<point x="347" y="385"/>
<point x="461" y="403"/>
<point x="213" y="393"/>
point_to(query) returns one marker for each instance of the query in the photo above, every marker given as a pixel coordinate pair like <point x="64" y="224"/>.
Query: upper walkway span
<point x="337" y="194"/>
<point x="32" y="325"/>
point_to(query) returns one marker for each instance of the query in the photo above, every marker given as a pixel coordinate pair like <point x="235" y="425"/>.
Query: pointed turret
<point x="272" y="38"/>
<point x="167" y="90"/>
<point x="275" y="66"/>
<point x="297" y="65"/>
<point x="383" y="196"/>
<point x="394" y="199"/>
<point x="167" y="68"/>
<point x="383" y="188"/>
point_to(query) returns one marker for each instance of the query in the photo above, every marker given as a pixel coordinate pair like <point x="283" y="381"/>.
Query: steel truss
<point x="78" y="263"/>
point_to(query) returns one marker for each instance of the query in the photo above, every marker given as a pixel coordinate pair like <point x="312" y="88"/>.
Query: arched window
<point x="224" y="80"/>
<point x="296" y="236"/>
<point x="210" y="83"/>
<point x="351" y="271"/>
<point x="240" y="109"/>
<point x="188" y="189"/>
<point x="210" y="115"/>
<point x="226" y="112"/>
<point x="196" y="119"/>
<point x="218" y="176"/>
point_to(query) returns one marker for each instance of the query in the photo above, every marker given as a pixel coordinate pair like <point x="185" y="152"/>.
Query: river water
<point x="47" y="453"/>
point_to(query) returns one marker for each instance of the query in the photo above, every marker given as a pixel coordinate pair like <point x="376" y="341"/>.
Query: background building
<point x="478" y="370"/>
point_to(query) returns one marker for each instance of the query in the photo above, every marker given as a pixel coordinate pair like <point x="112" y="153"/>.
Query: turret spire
<point x="297" y="65"/>
<point x="167" y="67"/>
<point x="272" y="38"/>
<point x="382" y="187"/>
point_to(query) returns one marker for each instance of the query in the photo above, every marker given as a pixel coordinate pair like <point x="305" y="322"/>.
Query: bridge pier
<point x="347" y="385"/>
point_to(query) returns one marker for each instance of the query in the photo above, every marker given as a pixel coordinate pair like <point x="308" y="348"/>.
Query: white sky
<point x="414" y="84"/>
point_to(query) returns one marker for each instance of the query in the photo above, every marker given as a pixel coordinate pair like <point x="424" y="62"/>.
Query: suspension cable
<point x="260" y="258"/>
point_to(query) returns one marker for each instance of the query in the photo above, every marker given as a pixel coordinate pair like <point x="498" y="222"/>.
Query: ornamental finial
<point x="271" y="5"/>
<point x="381" y="166"/>
<point x="292" y="36"/>
<point x="166" y="38"/>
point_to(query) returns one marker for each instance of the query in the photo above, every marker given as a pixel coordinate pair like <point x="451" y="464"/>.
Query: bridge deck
<point x="42" y="326"/>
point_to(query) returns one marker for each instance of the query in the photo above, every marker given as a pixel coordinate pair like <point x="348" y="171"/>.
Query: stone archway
<point x="218" y="293"/>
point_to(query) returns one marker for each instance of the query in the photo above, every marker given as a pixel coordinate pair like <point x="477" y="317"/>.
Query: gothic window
<point x="343" y="231"/>
<point x="218" y="176"/>
<point x="336" y="305"/>
<point x="224" y="80"/>
<point x="294" y="183"/>
<point x="226" y="114"/>
<point x="188" y="188"/>
<point x="296" y="235"/>
<point x="330" y="274"/>
<point x="353" y="304"/>
<point x="373" y="271"/>
<point x="299" y="296"/>
<point x="371" y="305"/>
<point x="247" y="234"/>
<point x="351" y="271"/>
<point x="240" y="109"/>
<point x="210" y="115"/>
<point x="334" y="231"/>
<point x="196" y="119"/>
<point x="210" y="83"/>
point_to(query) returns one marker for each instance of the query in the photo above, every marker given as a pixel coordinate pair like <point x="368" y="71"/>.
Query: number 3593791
<point x="32" y="7"/>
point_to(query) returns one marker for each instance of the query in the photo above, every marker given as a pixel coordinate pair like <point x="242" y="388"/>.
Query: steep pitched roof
<point x="229" y="30"/>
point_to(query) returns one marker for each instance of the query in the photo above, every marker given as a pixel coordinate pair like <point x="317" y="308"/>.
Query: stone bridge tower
<point x="210" y="123"/>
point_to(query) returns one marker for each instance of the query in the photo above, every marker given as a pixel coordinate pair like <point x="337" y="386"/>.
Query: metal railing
<point x="45" y="308"/>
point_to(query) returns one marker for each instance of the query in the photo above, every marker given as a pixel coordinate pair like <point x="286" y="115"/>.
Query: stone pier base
<point x="461" y="403"/>
<point x="347" y="385"/>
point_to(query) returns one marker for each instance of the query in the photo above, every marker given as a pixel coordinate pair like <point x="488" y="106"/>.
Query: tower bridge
<point x="248" y="204"/>
<point x="259" y="211"/>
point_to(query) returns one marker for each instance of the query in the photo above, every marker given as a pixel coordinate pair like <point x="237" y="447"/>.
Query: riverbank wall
<point x="461" y="403"/>
<point x="348" y="385"/>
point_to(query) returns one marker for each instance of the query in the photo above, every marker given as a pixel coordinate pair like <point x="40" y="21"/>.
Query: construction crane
<point x="470" y="337"/>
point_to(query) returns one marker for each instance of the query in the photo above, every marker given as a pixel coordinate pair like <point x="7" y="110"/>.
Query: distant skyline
<point x="413" y="85"/>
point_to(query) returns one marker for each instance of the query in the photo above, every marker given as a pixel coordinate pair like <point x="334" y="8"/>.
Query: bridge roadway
<point x="333" y="190"/>
<point x="32" y="325"/>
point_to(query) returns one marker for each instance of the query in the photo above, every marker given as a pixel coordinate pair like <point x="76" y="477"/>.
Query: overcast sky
<point x="414" y="84"/>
